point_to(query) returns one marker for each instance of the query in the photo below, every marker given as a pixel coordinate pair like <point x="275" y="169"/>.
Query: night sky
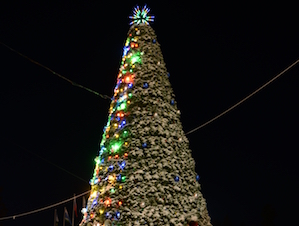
<point x="216" y="54"/>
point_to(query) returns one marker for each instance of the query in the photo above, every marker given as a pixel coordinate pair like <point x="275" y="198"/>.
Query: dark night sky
<point x="216" y="55"/>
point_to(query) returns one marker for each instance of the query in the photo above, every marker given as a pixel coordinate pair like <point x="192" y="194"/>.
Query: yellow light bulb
<point x="111" y="178"/>
<point x="101" y="211"/>
<point x="94" y="194"/>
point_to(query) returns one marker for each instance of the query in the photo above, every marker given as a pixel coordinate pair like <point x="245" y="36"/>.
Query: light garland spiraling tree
<point x="145" y="173"/>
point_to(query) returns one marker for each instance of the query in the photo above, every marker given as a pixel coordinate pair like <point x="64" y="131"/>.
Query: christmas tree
<point x="144" y="174"/>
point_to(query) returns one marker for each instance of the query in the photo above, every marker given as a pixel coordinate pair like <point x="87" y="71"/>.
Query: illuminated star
<point x="140" y="16"/>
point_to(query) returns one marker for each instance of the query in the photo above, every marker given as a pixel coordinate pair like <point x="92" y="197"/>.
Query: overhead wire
<point x="43" y="208"/>
<point x="55" y="73"/>
<point x="51" y="163"/>
<point x="244" y="99"/>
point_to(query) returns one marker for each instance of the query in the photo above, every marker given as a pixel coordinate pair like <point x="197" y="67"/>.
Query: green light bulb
<point x="135" y="59"/>
<point x="125" y="134"/>
<point x="122" y="106"/>
<point x="116" y="146"/>
<point x="97" y="160"/>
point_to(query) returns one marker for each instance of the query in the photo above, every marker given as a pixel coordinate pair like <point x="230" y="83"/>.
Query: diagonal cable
<point x="243" y="100"/>
<point x="53" y="164"/>
<point x="43" y="208"/>
<point x="59" y="75"/>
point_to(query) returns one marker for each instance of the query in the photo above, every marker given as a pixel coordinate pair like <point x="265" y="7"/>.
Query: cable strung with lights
<point x="114" y="145"/>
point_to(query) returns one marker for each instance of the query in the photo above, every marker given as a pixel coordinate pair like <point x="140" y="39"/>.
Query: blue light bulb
<point x="117" y="215"/>
<point x="122" y="165"/>
<point x="176" y="178"/>
<point x="118" y="178"/>
<point x="110" y="168"/>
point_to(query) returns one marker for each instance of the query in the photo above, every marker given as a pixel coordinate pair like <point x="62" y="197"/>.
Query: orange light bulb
<point x="127" y="79"/>
<point x="107" y="202"/>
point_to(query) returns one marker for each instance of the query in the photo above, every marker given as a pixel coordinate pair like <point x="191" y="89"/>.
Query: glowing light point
<point x="117" y="215"/>
<point x="122" y="106"/>
<point x="141" y="16"/>
<point x="135" y="58"/>
<point x="116" y="146"/>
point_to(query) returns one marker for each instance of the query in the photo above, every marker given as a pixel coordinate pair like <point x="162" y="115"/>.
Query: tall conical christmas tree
<point x="144" y="174"/>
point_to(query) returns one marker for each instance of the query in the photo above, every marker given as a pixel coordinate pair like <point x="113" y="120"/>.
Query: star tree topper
<point x="140" y="16"/>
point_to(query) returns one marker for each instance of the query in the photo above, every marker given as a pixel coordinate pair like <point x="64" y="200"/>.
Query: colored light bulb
<point x="119" y="177"/>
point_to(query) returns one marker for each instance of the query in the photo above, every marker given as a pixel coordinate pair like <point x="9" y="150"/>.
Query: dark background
<point x="216" y="54"/>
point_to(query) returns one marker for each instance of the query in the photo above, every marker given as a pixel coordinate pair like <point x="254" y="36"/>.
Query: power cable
<point x="55" y="73"/>
<point x="46" y="160"/>
<point x="43" y="208"/>
<point x="243" y="100"/>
